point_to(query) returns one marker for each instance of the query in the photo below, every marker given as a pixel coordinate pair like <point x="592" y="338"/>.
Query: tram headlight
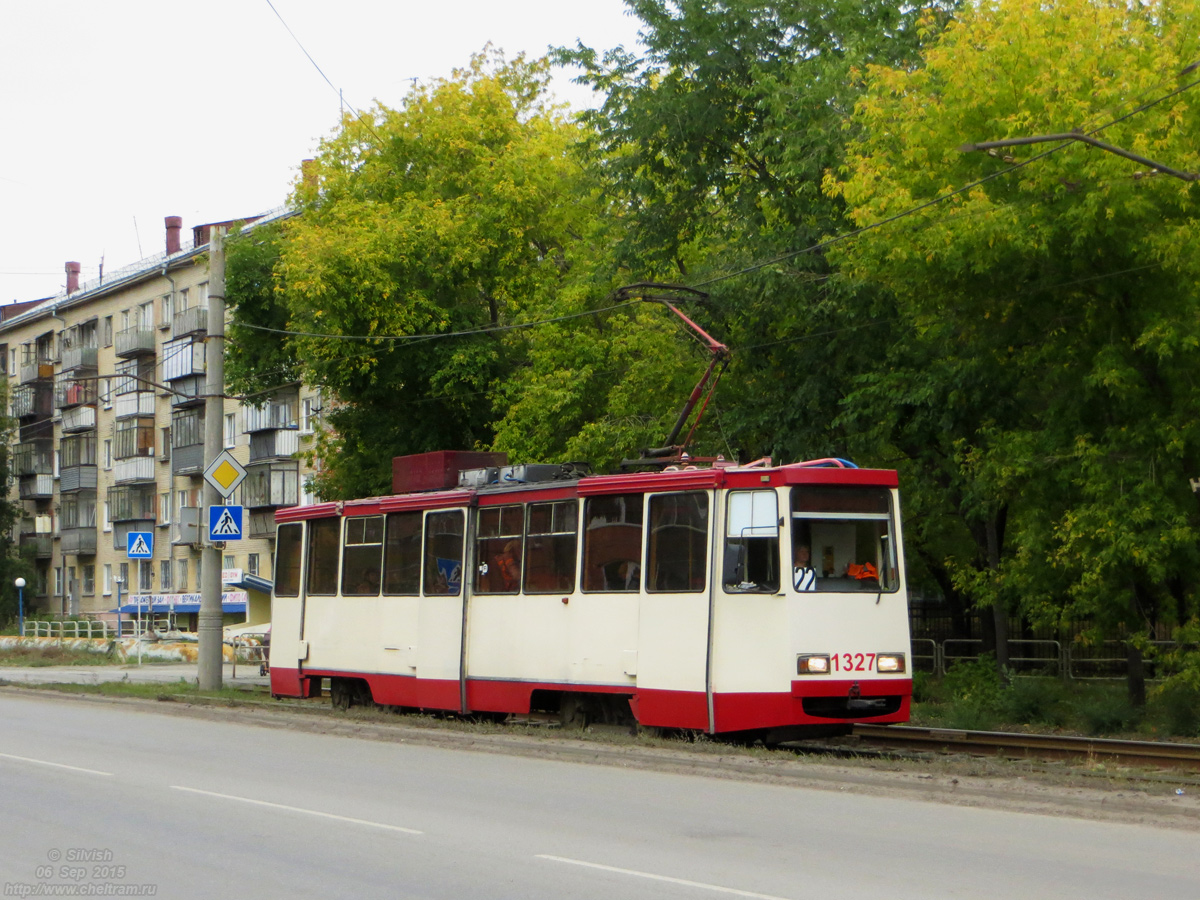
<point x="813" y="664"/>
<point x="891" y="663"/>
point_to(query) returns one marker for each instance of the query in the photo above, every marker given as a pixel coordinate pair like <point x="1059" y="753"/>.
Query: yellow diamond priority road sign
<point x="225" y="473"/>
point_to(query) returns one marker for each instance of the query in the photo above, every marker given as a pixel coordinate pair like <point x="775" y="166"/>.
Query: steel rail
<point x="1034" y="746"/>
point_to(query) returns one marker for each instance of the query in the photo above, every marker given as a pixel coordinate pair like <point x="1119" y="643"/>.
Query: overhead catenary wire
<point x="336" y="90"/>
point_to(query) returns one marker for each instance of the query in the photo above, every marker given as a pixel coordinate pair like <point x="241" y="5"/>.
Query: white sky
<point x="133" y="110"/>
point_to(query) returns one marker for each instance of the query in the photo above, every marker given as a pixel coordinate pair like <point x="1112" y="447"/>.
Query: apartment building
<point x="105" y="384"/>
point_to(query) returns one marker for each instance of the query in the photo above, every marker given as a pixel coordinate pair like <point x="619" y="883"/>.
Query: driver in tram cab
<point x="804" y="576"/>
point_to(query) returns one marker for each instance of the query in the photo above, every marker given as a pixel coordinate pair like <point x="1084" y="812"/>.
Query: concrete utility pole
<point x="210" y="633"/>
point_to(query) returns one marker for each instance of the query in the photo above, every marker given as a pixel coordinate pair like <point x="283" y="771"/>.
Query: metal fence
<point x="68" y="628"/>
<point x="1077" y="662"/>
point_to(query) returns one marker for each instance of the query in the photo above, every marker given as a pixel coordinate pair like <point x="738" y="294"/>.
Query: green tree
<point x="711" y="146"/>
<point x="1045" y="380"/>
<point x="455" y="213"/>
<point x="12" y="564"/>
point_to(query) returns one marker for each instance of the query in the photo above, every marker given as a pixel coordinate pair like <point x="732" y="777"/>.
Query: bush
<point x="1034" y="701"/>
<point x="1179" y="708"/>
<point x="1108" y="714"/>
<point x="975" y="681"/>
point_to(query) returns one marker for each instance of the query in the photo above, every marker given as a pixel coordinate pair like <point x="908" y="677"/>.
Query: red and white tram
<point x="757" y="598"/>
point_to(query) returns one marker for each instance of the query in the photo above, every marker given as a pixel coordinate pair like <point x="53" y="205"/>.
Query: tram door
<point x="673" y="621"/>
<point x="438" y="653"/>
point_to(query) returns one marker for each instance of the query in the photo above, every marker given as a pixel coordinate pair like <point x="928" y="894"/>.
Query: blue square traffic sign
<point x="225" y="523"/>
<point x="139" y="545"/>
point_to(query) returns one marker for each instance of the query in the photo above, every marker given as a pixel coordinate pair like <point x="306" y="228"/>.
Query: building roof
<point x="130" y="274"/>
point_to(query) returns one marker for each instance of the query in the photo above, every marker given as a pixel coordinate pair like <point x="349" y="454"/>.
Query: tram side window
<point x="677" y="553"/>
<point x="612" y="543"/>
<point x="444" y="552"/>
<point x="752" y="542"/>
<point x="402" y="554"/>
<point x="846" y="536"/>
<point x="287" y="560"/>
<point x="498" y="547"/>
<point x="362" y="556"/>
<point x="323" y="541"/>
<point x="550" y="547"/>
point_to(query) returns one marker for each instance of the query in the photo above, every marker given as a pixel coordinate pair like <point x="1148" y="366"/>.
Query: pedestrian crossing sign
<point x="225" y="523"/>
<point x="139" y="545"/>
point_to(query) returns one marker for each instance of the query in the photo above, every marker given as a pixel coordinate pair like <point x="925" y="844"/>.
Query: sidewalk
<point x="158" y="672"/>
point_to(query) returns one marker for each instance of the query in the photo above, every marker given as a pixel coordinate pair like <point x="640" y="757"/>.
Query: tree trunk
<point x="999" y="608"/>
<point x="1135" y="666"/>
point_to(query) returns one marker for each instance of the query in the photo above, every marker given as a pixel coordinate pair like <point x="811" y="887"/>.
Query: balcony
<point x="262" y="524"/>
<point x="77" y="478"/>
<point x="37" y="487"/>
<point x="188" y="460"/>
<point x="190" y="321"/>
<point x="81" y="418"/>
<point x="182" y="357"/>
<point x="36" y="371"/>
<point x="33" y="458"/>
<point x="139" y="403"/>
<point x="280" y="444"/>
<point x="134" y="341"/>
<point x="136" y="469"/>
<point x="131" y="503"/>
<point x="271" y="485"/>
<point x="188" y="391"/>
<point x="40" y="546"/>
<point x="80" y="541"/>
<point x="68" y="391"/>
<point x="79" y="358"/>
<point x="34" y="400"/>
<point x="272" y="415"/>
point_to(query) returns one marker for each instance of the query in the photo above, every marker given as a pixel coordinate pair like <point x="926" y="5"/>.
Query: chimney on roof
<point x="174" y="226"/>
<point x="72" y="277"/>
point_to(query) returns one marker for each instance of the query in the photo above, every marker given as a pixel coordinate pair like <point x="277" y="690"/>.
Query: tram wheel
<point x="340" y="693"/>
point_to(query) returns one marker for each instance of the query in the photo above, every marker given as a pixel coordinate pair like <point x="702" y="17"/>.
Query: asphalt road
<point x="106" y="797"/>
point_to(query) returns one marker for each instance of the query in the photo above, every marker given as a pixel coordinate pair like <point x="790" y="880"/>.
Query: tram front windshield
<point x="843" y="539"/>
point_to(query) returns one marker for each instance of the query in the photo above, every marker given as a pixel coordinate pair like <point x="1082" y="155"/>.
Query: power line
<point x="335" y="89"/>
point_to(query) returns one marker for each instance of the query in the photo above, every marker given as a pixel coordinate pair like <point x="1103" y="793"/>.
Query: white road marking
<point x="309" y="812"/>
<point x="696" y="884"/>
<point x="42" y="762"/>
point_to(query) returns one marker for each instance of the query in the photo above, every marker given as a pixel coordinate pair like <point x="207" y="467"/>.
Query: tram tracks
<point x="1014" y="745"/>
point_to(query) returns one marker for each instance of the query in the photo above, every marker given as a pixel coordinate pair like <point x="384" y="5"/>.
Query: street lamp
<point x="20" y="583"/>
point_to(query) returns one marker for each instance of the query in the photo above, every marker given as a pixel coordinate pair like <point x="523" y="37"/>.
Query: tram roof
<point x="690" y="478"/>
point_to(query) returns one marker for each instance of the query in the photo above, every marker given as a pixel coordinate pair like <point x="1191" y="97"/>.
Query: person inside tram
<point x="508" y="567"/>
<point x="804" y="576"/>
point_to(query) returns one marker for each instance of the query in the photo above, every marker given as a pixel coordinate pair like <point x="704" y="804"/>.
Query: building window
<point x="167" y="310"/>
<point x="108" y="579"/>
<point x="89" y="580"/>
<point x="252" y="564"/>
<point x="106" y="392"/>
<point x="308" y="415"/>
<point x="108" y="454"/>
<point x="58" y="581"/>
<point x="230" y="431"/>
<point x="181" y="567"/>
<point x="164" y="508"/>
<point x="107" y="522"/>
<point x="227" y="562"/>
<point x="108" y="331"/>
<point x="164" y="577"/>
<point x="124" y="576"/>
<point x="166" y="442"/>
